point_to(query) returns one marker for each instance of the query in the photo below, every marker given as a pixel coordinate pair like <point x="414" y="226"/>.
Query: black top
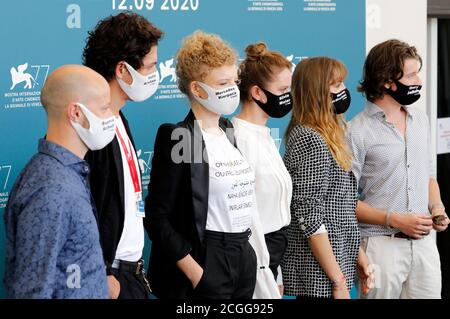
<point x="107" y="186"/>
<point x="177" y="203"/>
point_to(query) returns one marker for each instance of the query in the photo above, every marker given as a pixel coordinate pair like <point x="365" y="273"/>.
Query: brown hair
<point x="312" y="104"/>
<point x="258" y="67"/>
<point x="384" y="64"/>
<point x="199" y="53"/>
<point x="123" y="37"/>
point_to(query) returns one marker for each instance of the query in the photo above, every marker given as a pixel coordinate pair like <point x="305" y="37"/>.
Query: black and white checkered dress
<point x="323" y="193"/>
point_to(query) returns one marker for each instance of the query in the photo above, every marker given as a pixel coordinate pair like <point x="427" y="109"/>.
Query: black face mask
<point x="405" y="94"/>
<point x="341" y="101"/>
<point x="277" y="105"/>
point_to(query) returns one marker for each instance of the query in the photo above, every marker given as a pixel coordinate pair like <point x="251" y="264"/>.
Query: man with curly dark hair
<point x="122" y="48"/>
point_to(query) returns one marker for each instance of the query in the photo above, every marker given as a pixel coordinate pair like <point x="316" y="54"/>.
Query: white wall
<point x="405" y="20"/>
<point x="432" y="79"/>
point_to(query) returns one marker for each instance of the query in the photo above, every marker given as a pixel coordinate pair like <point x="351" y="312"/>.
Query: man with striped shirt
<point x="400" y="201"/>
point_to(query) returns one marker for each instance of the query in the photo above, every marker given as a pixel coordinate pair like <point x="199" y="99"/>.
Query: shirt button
<point x="301" y="220"/>
<point x="409" y="188"/>
<point x="303" y="227"/>
<point x="407" y="166"/>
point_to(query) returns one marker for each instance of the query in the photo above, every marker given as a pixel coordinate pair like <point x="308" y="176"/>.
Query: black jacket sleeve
<point x="163" y="190"/>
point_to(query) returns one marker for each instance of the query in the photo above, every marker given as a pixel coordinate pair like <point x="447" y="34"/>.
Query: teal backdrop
<point x="38" y="36"/>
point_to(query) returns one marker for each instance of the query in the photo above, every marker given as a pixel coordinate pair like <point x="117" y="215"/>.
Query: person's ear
<point x="120" y="70"/>
<point x="390" y="86"/>
<point x="75" y="114"/>
<point x="122" y="73"/>
<point x="258" y="94"/>
<point x="197" y="90"/>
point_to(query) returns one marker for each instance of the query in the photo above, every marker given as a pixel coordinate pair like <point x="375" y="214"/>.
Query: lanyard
<point x="131" y="163"/>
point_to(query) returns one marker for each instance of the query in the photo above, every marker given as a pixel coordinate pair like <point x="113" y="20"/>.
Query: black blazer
<point x="177" y="204"/>
<point x="107" y="188"/>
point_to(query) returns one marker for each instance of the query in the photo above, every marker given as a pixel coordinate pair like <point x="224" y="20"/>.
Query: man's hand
<point x="440" y="218"/>
<point x="412" y="225"/>
<point x="113" y="287"/>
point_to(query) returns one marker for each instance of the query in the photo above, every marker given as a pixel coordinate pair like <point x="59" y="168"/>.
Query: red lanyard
<point x="131" y="163"/>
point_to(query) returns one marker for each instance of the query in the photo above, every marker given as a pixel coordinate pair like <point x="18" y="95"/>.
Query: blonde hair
<point x="312" y="104"/>
<point x="199" y="53"/>
<point x="258" y="68"/>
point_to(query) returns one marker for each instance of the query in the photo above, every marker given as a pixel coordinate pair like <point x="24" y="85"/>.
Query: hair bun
<point x="256" y="51"/>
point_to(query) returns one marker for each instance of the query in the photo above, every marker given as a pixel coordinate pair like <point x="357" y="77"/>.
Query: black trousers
<point x="229" y="271"/>
<point x="276" y="245"/>
<point x="133" y="283"/>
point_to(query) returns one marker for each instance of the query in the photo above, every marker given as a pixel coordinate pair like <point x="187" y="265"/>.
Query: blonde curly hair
<point x="199" y="53"/>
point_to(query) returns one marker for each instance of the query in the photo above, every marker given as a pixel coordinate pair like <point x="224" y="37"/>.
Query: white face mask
<point x="100" y="133"/>
<point x="142" y="86"/>
<point x="223" y="102"/>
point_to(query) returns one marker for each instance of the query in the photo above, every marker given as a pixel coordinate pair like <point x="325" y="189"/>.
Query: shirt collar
<point x="373" y="109"/>
<point x="258" y="128"/>
<point x="63" y="155"/>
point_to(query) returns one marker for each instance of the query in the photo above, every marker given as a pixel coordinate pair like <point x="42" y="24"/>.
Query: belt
<point x="136" y="268"/>
<point x="233" y="237"/>
<point x="129" y="266"/>
<point x="402" y="235"/>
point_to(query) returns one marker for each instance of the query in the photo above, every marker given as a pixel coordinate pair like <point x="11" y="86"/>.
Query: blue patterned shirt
<point x="52" y="240"/>
<point x="393" y="172"/>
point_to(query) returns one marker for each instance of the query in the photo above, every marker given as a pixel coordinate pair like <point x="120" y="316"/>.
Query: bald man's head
<point x="70" y="84"/>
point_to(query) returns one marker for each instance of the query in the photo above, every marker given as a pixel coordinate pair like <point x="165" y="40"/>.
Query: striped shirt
<point x="392" y="171"/>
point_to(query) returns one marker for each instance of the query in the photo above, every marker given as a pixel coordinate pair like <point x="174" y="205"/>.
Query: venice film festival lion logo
<point x="21" y="74"/>
<point x="18" y="76"/>
<point x="167" y="69"/>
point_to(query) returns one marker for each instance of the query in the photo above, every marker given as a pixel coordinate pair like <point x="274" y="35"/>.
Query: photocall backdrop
<point x="38" y="36"/>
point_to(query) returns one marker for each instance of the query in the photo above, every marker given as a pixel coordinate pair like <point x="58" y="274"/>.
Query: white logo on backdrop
<point x="291" y="58"/>
<point x="264" y="6"/>
<point x="168" y="88"/>
<point x="5" y="172"/>
<point x="18" y="76"/>
<point x="144" y="164"/>
<point x="144" y="160"/>
<point x="167" y="69"/>
<point x="26" y="80"/>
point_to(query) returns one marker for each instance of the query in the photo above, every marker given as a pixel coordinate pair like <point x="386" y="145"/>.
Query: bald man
<point x="52" y="239"/>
